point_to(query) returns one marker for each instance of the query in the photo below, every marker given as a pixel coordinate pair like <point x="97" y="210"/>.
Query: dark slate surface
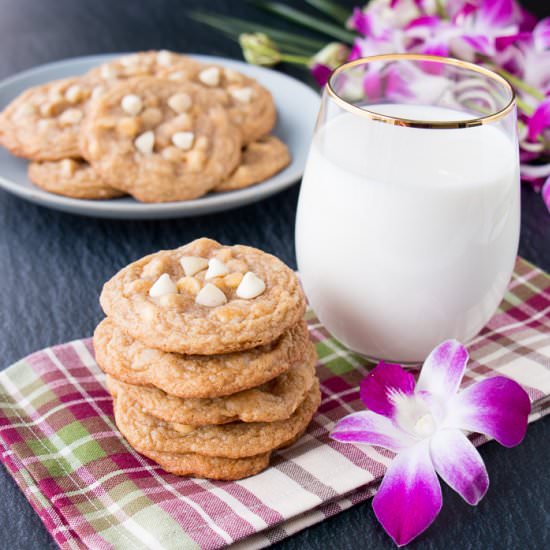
<point x="52" y="266"/>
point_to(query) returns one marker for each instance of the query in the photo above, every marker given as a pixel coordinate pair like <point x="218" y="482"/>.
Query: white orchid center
<point x="413" y="415"/>
<point x="425" y="425"/>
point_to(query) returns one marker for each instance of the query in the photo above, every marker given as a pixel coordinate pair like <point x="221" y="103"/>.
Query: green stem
<point x="308" y="21"/>
<point x="518" y="83"/>
<point x="295" y="59"/>
<point x="332" y="9"/>
<point x="525" y="107"/>
<point x="234" y="26"/>
<point x="440" y="8"/>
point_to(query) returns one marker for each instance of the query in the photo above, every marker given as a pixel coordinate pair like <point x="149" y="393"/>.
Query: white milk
<point x="406" y="237"/>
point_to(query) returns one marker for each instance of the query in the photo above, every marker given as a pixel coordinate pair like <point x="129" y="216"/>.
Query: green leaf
<point x="234" y="27"/>
<point x="308" y="21"/>
<point x="332" y="9"/>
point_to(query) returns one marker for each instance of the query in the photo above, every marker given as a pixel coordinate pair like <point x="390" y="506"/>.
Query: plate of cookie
<point x="152" y="135"/>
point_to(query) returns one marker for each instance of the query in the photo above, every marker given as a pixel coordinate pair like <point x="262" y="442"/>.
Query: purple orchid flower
<point x="431" y="35"/>
<point x="424" y="425"/>
<point x="381" y="16"/>
<point x="527" y="55"/>
<point x="482" y="24"/>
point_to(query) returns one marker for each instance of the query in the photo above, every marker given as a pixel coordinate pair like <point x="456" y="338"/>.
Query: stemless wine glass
<point x="409" y="212"/>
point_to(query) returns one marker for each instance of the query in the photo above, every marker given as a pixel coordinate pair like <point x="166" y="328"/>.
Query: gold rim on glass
<point x="468" y="123"/>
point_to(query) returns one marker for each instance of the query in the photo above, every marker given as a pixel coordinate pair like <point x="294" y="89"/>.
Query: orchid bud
<point x="332" y="55"/>
<point x="259" y="49"/>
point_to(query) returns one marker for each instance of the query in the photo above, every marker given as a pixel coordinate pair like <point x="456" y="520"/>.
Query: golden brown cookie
<point x="214" y="467"/>
<point x="209" y="467"/>
<point x="43" y="123"/>
<point x="71" y="178"/>
<point x="250" y="105"/>
<point x="197" y="376"/>
<point x="243" y="299"/>
<point x="160" y="140"/>
<point x="149" y="63"/>
<point x="235" y="440"/>
<point x="274" y="400"/>
<point x="261" y="160"/>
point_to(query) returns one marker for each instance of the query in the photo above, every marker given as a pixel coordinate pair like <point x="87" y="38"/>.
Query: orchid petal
<point x="435" y="48"/>
<point x="480" y="44"/>
<point x="527" y="21"/>
<point x="545" y="191"/>
<point x="503" y="42"/>
<point x="396" y="85"/>
<point x="380" y="386"/>
<point x="497" y="407"/>
<point x="541" y="35"/>
<point x="409" y="497"/>
<point x="459" y="464"/>
<point x="443" y="370"/>
<point x="372" y="86"/>
<point x="497" y="13"/>
<point x="429" y="21"/>
<point x="361" y="22"/>
<point x="539" y="121"/>
<point x="462" y="11"/>
<point x="321" y="73"/>
<point x="439" y="49"/>
<point x="369" y="428"/>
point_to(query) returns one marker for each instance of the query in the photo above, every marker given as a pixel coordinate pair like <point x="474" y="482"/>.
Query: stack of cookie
<point x="159" y="126"/>
<point x="208" y="358"/>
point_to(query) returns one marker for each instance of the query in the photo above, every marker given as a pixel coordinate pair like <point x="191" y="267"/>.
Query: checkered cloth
<point x="91" y="489"/>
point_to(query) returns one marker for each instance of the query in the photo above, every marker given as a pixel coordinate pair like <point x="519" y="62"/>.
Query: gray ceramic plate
<point x="297" y="106"/>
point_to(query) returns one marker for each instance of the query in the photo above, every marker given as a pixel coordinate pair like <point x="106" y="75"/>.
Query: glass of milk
<point x="409" y="213"/>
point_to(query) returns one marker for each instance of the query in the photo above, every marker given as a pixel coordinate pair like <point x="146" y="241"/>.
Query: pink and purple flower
<point x="424" y="423"/>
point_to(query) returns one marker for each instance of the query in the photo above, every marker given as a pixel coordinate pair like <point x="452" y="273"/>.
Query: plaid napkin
<point x="59" y="441"/>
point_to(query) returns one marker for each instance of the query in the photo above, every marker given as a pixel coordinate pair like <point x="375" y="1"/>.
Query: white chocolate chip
<point x="131" y="104"/>
<point x="179" y="102"/>
<point x="145" y="142"/>
<point x="97" y="91"/>
<point x="129" y="60"/>
<point x="250" y="287"/>
<point x="210" y="296"/>
<point x="183" y="140"/>
<point x="176" y="75"/>
<point x="193" y="264"/>
<point x="163" y="285"/>
<point x="107" y="72"/>
<point x="71" y="116"/>
<point x="210" y="76"/>
<point x="243" y="95"/>
<point x="26" y="109"/>
<point x="183" y="429"/>
<point x="216" y="268"/>
<point x="73" y="93"/>
<point x="164" y="58"/>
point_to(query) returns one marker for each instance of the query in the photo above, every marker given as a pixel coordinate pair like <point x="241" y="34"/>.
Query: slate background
<point x="52" y="266"/>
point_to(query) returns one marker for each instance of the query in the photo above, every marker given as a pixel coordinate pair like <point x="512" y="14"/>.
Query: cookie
<point x="196" y="376"/>
<point x="43" y="123"/>
<point x="71" y="178"/>
<point x="210" y="467"/>
<point x="205" y="298"/>
<point x="149" y="63"/>
<point x="160" y="140"/>
<point x="214" y="467"/>
<point x="274" y="400"/>
<point x="261" y="160"/>
<point x="235" y="440"/>
<point x="249" y="104"/>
